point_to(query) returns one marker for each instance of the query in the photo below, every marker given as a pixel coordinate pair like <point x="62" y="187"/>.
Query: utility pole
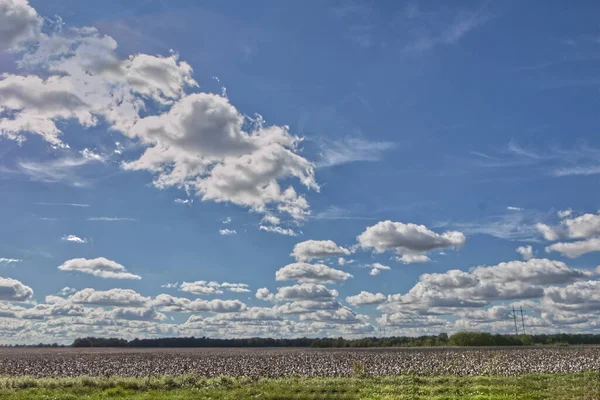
<point x="522" y="320"/>
<point x="515" y="318"/>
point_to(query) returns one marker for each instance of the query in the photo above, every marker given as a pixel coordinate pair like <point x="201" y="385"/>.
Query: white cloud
<point x="9" y="260"/>
<point x="512" y="208"/>
<point x="525" y="251"/>
<point x="92" y="156"/>
<point x="350" y="149"/>
<point x="205" y="287"/>
<point x="74" y="239"/>
<point x="548" y="232"/>
<point x="342" y="315"/>
<point x="112" y="297"/>
<point x="410" y="321"/>
<point x="410" y="241"/>
<point x="535" y="272"/>
<point x="199" y="144"/>
<point x="270" y="219"/>
<point x="14" y="290"/>
<point x="444" y="293"/>
<point x="306" y="291"/>
<point x="264" y="294"/>
<point x="311" y="249"/>
<point x="64" y="204"/>
<point x="279" y="230"/>
<point x="100" y="267"/>
<point x="584" y="226"/>
<point x="413" y="258"/>
<point x="170" y="285"/>
<point x="578" y="296"/>
<point x="183" y="201"/>
<point x="575" y="249"/>
<point x="66" y="291"/>
<point x="377" y="268"/>
<point x="227" y="232"/>
<point x="19" y="22"/>
<point x="137" y="314"/>
<point x="564" y="213"/>
<point x="364" y="298"/>
<point x="178" y="304"/>
<point x="226" y="220"/>
<point x="311" y="273"/>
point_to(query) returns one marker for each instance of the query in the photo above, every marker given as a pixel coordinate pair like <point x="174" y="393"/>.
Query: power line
<point x="522" y="320"/>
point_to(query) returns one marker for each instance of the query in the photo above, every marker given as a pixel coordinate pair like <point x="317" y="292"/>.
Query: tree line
<point x="458" y="339"/>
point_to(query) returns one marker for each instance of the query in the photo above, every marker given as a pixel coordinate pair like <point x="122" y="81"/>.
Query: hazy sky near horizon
<point x="318" y="168"/>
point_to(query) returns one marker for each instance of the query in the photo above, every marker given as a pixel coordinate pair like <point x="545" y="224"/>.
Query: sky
<point x="290" y="169"/>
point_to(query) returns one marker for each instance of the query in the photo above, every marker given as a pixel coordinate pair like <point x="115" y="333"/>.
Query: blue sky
<point x="175" y="168"/>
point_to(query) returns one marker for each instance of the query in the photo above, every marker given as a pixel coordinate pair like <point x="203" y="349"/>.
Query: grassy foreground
<point x="559" y="386"/>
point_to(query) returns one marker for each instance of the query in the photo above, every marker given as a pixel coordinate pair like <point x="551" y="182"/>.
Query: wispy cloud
<point x="335" y="212"/>
<point x="62" y="170"/>
<point x="279" y="230"/>
<point x="227" y="232"/>
<point x="110" y="219"/>
<point x="429" y="30"/>
<point x="347" y="150"/>
<point x="4" y="260"/>
<point x="509" y="226"/>
<point x="63" y="204"/>
<point x="554" y="161"/>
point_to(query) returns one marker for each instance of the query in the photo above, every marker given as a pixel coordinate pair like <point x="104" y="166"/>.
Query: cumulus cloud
<point x="200" y="142"/>
<point x="66" y="291"/>
<point x="137" y="314"/>
<point x="179" y="304"/>
<point x="14" y="290"/>
<point x="270" y="219"/>
<point x="100" y="267"/>
<point x="227" y="232"/>
<point x="311" y="273"/>
<point x="74" y="239"/>
<point x="455" y="289"/>
<point x="525" y="251"/>
<point x="206" y="288"/>
<point x="306" y="291"/>
<point x="578" y="296"/>
<point x="585" y="226"/>
<point x="311" y="249"/>
<point x="564" y="213"/>
<point x="264" y="294"/>
<point x="112" y="297"/>
<point x="410" y="321"/>
<point x="575" y="249"/>
<point x="364" y="298"/>
<point x="413" y="258"/>
<point x="548" y="232"/>
<point x="409" y="241"/>
<point x="342" y="315"/>
<point x="374" y="272"/>
<point x="19" y="22"/>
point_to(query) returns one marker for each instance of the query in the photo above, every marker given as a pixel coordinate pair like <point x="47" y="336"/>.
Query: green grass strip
<point x="529" y="387"/>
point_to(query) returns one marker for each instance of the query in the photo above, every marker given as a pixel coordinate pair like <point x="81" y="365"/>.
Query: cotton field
<point x="254" y="363"/>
